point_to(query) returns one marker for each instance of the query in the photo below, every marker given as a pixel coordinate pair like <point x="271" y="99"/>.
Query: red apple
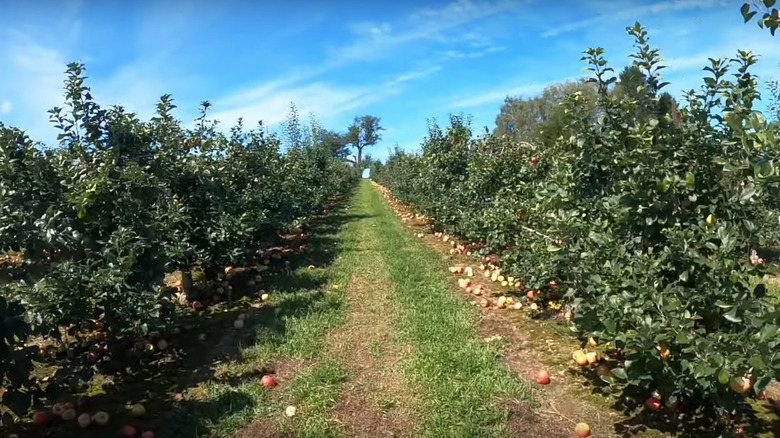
<point x="542" y="377"/>
<point x="530" y="295"/>
<point x="653" y="404"/>
<point x="40" y="418"/>
<point x="268" y="380"/>
<point x="129" y="431"/>
<point x="147" y="434"/>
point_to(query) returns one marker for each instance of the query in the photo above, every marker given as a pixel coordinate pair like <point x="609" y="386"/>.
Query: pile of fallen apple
<point x="66" y="412"/>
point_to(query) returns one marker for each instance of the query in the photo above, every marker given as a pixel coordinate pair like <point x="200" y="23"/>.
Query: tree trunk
<point x="359" y="157"/>
<point x="186" y="285"/>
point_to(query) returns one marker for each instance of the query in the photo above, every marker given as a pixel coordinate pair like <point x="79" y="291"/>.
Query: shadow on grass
<point x="166" y="382"/>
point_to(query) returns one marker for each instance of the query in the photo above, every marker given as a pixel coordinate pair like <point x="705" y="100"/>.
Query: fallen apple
<point x="147" y="434"/>
<point x="138" y="410"/>
<point x="268" y="380"/>
<point x="582" y="430"/>
<point x="238" y="324"/>
<point x="542" y="377"/>
<point x="264" y="297"/>
<point x="69" y="414"/>
<point x="84" y="420"/>
<point x="162" y="344"/>
<point x="129" y="431"/>
<point x="101" y="418"/>
<point x="40" y="418"/>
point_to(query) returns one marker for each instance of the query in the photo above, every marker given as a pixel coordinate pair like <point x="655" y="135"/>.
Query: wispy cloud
<point x="617" y="11"/>
<point x="5" y="107"/>
<point x="496" y="95"/>
<point x="271" y="102"/>
<point x="458" y="54"/>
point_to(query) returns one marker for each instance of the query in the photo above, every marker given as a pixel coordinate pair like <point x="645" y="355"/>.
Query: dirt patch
<point x="261" y="429"/>
<point x="375" y="402"/>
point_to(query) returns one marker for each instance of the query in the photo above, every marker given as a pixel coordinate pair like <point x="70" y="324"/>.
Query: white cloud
<point x="619" y="12"/>
<point x="271" y="102"/>
<point x="496" y="95"/>
<point x="5" y="107"/>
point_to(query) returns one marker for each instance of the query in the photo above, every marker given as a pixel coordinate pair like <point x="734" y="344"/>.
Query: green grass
<point x="461" y="379"/>
<point x="315" y="393"/>
<point x="306" y="305"/>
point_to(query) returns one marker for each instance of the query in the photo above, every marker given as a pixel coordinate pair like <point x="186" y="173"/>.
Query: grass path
<point x="383" y="348"/>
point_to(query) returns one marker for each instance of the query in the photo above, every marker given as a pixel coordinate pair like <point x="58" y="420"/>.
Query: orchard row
<point x="640" y="215"/>
<point x="89" y="229"/>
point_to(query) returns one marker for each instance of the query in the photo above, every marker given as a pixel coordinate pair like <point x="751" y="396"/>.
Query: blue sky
<point x="404" y="61"/>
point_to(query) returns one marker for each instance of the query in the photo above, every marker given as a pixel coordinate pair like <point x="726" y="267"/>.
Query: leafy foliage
<point x="644" y="215"/>
<point x="770" y="16"/>
<point x="97" y="222"/>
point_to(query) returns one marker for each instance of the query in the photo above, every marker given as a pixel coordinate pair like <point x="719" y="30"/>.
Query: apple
<point x="268" y="380"/>
<point x="535" y="160"/>
<point x="761" y="394"/>
<point x="147" y="434"/>
<point x="530" y="295"/>
<point x="101" y="418"/>
<point x="264" y="297"/>
<point x="68" y="414"/>
<point x="228" y="269"/>
<point x="592" y="357"/>
<point x="534" y="306"/>
<point x="138" y="410"/>
<point x="84" y="420"/>
<point x="542" y="377"/>
<point x="57" y="409"/>
<point x="653" y="404"/>
<point x="604" y="370"/>
<point x="40" y="418"/>
<point x="238" y="324"/>
<point x="582" y="430"/>
<point x="162" y="344"/>
<point x="129" y="431"/>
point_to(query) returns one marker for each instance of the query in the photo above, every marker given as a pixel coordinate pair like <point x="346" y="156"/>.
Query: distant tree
<point x="333" y="141"/>
<point x="770" y="17"/>
<point x="368" y="162"/>
<point x="364" y="131"/>
<point x="540" y="118"/>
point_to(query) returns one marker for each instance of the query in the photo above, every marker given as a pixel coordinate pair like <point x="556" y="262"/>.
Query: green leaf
<point x="756" y="362"/>
<point x="682" y="338"/>
<point x="744" y="10"/>
<point x="768" y="332"/>
<point x="690" y="180"/>
<point x="769" y="3"/>
<point x="732" y="316"/>
<point x="723" y="376"/>
<point x="620" y="373"/>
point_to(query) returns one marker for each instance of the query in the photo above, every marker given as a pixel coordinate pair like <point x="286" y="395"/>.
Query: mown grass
<point x="306" y="303"/>
<point x="462" y="382"/>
